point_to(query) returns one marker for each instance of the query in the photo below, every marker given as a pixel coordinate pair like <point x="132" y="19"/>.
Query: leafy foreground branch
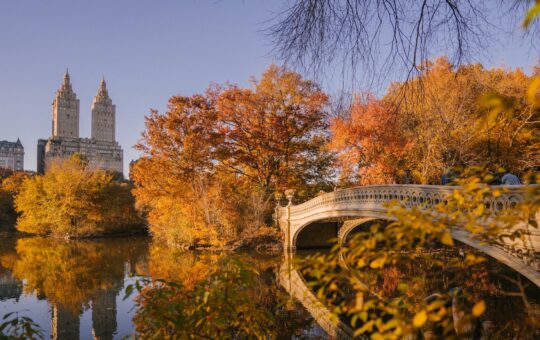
<point x="13" y="326"/>
<point x="364" y="282"/>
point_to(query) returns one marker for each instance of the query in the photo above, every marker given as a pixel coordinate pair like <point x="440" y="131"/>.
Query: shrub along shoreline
<point x="73" y="200"/>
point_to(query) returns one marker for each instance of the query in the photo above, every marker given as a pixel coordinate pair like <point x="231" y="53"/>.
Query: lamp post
<point x="289" y="194"/>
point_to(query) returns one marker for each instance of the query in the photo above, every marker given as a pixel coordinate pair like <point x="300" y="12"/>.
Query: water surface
<point x="76" y="289"/>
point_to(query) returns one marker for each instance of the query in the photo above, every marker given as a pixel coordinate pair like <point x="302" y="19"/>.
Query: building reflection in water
<point x="10" y="288"/>
<point x="104" y="314"/>
<point x="65" y="324"/>
<point x="73" y="276"/>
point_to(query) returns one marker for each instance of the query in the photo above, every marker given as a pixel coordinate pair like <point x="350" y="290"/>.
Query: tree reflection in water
<point x="241" y="291"/>
<point x="218" y="296"/>
<point x="72" y="276"/>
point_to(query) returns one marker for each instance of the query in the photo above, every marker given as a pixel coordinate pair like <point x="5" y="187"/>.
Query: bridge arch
<point x="348" y="227"/>
<point x="370" y="202"/>
<point x="337" y="216"/>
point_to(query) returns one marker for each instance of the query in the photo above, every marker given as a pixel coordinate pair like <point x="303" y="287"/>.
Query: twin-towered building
<point x="101" y="150"/>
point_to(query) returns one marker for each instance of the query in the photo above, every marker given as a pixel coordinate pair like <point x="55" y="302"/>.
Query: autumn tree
<point x="274" y="134"/>
<point x="212" y="162"/>
<point x="9" y="188"/>
<point x="369" y="145"/>
<point x="450" y="127"/>
<point x="174" y="180"/>
<point x="72" y="200"/>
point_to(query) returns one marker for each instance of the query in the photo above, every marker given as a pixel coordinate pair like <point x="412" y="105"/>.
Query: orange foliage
<point x="274" y="134"/>
<point x="212" y="162"/>
<point x="439" y="121"/>
<point x="368" y="143"/>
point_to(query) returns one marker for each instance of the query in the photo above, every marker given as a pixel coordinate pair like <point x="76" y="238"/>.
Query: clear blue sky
<point x="148" y="50"/>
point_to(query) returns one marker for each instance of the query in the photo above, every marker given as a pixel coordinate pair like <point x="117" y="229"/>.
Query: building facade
<point x="101" y="150"/>
<point x="12" y="155"/>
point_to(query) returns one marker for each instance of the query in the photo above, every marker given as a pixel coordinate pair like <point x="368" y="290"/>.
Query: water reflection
<point x="82" y="285"/>
<point x="218" y="296"/>
<point x="72" y="277"/>
<point x="10" y="287"/>
<point x="75" y="290"/>
<point x="513" y="302"/>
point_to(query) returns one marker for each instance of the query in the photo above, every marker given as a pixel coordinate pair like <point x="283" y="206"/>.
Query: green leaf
<point x="128" y="291"/>
<point x="7" y="315"/>
<point x="402" y="287"/>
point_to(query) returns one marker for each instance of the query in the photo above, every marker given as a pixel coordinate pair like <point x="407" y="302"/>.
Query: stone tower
<point x="65" y="107"/>
<point x="103" y="115"/>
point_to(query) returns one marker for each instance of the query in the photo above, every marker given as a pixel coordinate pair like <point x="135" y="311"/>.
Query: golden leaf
<point x="446" y="239"/>
<point x="533" y="89"/>
<point x="531" y="14"/>
<point x="377" y="263"/>
<point x="359" y="301"/>
<point x="479" y="210"/>
<point x="420" y="319"/>
<point x="479" y="308"/>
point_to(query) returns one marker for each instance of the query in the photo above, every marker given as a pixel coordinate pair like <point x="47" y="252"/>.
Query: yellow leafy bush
<point x="71" y="200"/>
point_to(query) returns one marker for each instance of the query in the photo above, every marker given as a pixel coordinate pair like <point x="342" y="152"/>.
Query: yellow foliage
<point x="73" y="201"/>
<point x="446" y="239"/>
<point x="70" y="273"/>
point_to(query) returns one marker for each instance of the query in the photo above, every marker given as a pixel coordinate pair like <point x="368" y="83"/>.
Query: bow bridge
<point x="336" y="214"/>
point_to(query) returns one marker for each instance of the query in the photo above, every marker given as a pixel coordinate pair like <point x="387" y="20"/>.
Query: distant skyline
<point x="147" y="51"/>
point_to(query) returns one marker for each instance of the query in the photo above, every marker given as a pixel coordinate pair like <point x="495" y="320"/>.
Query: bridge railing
<point x="377" y="196"/>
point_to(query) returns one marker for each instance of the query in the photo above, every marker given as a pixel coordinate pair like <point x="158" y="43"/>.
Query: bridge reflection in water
<point x="295" y="285"/>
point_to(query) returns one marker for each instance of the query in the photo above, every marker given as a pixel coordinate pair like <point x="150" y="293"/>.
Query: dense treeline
<point x="212" y="163"/>
<point x="437" y="122"/>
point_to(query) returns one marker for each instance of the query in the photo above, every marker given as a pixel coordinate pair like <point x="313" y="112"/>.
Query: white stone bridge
<point x="336" y="214"/>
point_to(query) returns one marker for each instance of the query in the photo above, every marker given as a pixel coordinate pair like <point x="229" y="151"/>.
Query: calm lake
<point x="76" y="289"/>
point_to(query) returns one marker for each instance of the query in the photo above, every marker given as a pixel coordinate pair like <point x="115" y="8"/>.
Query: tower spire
<point x="102" y="90"/>
<point x="66" y="78"/>
<point x="65" y="88"/>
